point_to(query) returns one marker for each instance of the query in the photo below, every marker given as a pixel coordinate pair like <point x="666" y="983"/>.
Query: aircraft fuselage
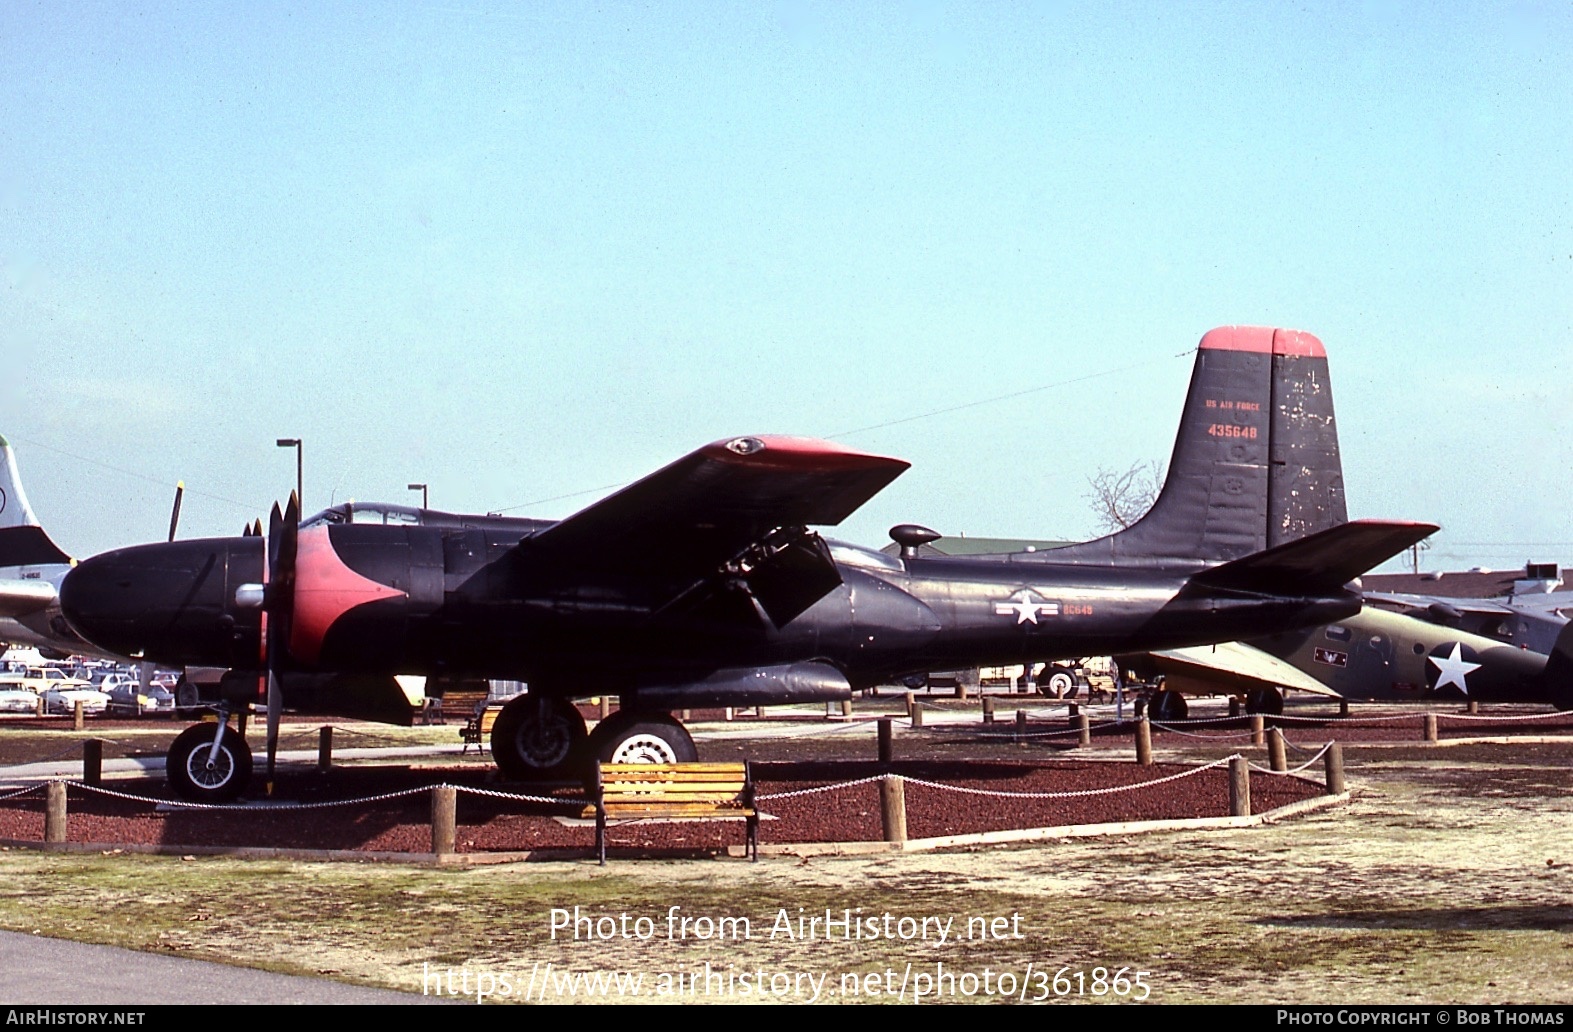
<point x="468" y="602"/>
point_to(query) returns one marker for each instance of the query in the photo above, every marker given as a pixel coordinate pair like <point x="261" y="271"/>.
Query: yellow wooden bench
<point x="478" y="729"/>
<point x="671" y="791"/>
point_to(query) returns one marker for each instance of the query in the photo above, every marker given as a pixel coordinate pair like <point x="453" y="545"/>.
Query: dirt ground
<point x="1446" y="879"/>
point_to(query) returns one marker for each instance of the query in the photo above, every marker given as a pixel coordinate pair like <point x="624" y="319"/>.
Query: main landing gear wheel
<point x="1269" y="701"/>
<point x="1058" y="682"/>
<point x="1166" y="706"/>
<point x="197" y="776"/>
<point x="537" y="738"/>
<point x="632" y="737"/>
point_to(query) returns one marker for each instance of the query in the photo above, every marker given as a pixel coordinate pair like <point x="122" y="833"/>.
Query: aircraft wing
<point x="731" y="506"/>
<point x="1445" y="606"/>
<point x="1236" y="664"/>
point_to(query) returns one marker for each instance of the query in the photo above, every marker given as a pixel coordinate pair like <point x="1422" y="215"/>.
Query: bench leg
<point x="600" y="834"/>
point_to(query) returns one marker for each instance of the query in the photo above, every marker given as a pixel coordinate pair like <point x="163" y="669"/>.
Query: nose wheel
<point x="200" y="774"/>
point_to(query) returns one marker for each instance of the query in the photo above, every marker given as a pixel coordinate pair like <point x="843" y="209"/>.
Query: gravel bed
<point x="844" y="813"/>
<point x="953" y="751"/>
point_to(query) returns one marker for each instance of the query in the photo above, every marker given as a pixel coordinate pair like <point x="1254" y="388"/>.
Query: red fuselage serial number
<point x="1230" y="430"/>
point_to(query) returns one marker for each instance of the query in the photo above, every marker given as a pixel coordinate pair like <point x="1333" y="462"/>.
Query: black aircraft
<point x="702" y="584"/>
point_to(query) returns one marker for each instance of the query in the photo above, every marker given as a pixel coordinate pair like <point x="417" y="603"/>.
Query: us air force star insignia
<point x="1453" y="669"/>
<point x="1027" y="606"/>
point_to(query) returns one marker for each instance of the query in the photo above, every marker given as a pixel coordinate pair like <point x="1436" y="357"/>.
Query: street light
<point x="422" y="489"/>
<point x="294" y="442"/>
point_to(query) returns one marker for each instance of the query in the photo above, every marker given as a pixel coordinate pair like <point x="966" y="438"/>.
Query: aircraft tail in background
<point x="22" y="541"/>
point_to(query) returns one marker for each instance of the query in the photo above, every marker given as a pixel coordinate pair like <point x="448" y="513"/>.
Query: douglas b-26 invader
<point x="703" y="584"/>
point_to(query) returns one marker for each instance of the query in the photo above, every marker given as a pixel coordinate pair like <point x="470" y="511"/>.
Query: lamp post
<point x="294" y="442"/>
<point x="422" y="489"/>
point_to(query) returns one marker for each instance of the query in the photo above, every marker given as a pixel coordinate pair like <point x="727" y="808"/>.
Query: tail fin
<point x="22" y="541"/>
<point x="1256" y="461"/>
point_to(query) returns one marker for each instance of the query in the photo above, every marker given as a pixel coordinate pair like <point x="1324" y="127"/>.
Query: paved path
<point x="36" y="970"/>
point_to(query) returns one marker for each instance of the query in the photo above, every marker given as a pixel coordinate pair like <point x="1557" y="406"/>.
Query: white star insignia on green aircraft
<point x="1453" y="669"/>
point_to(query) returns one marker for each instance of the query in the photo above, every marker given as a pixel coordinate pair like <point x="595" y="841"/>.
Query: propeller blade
<point x="283" y="546"/>
<point x="275" y="712"/>
<point x="174" y="515"/>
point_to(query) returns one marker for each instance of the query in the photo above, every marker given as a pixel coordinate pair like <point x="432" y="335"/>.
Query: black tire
<point x="1167" y="706"/>
<point x="192" y="778"/>
<point x="1267" y="701"/>
<point x="632" y="737"/>
<point x="188" y="699"/>
<point x="538" y="738"/>
<point x="1058" y="682"/>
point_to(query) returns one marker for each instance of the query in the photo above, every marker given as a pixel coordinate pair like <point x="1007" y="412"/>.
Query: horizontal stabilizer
<point x="1240" y="665"/>
<point x="1322" y="562"/>
<point x="29" y="545"/>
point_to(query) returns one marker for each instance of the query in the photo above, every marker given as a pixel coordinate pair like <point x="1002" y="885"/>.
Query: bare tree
<point x="1121" y="497"/>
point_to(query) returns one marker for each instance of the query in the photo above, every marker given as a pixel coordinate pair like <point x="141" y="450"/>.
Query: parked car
<point x="108" y="681"/>
<point x="128" y="699"/>
<point x="17" y="700"/>
<point x="64" y="700"/>
<point x="43" y="679"/>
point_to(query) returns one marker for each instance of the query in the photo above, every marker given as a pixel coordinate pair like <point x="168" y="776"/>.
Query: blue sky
<point x="523" y="252"/>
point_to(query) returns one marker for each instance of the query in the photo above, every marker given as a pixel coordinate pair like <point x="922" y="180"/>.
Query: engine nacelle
<point x="744" y="686"/>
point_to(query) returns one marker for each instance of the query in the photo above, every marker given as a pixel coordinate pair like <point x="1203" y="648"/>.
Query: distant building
<point x="1532" y="579"/>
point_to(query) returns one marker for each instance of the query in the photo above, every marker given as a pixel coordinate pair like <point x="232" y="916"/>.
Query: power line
<point x="1011" y="396"/>
<point x="996" y="399"/>
<point x="246" y="506"/>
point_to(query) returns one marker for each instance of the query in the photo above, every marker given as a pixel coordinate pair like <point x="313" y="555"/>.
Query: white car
<point x="17" y="700"/>
<point x="64" y="700"/>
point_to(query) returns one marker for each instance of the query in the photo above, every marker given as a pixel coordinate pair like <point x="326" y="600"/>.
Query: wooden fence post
<point x="444" y="819"/>
<point x="1335" y="769"/>
<point x="893" y="808"/>
<point x="1239" y="787"/>
<point x="55" y="813"/>
<point x="1277" y="754"/>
